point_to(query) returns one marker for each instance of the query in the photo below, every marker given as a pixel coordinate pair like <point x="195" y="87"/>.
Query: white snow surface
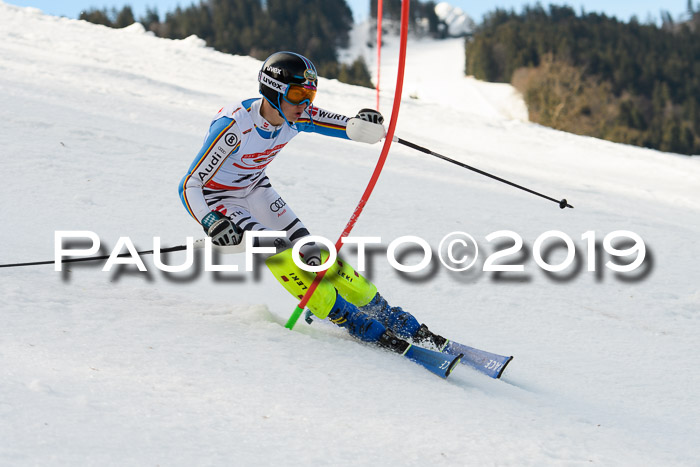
<point x="131" y="368"/>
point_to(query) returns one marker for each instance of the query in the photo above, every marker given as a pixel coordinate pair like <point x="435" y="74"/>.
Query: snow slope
<point x="131" y="368"/>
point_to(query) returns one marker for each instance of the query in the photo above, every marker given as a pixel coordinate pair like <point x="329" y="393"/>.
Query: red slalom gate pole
<point x="377" y="170"/>
<point x="379" y="45"/>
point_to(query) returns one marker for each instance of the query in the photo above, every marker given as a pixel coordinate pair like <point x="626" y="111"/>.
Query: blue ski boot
<point x="363" y="326"/>
<point x="424" y="336"/>
<point x="400" y="322"/>
<point x="359" y="324"/>
<point x="391" y="342"/>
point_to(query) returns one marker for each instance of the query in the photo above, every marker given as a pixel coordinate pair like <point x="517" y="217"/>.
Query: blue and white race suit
<point x="228" y="173"/>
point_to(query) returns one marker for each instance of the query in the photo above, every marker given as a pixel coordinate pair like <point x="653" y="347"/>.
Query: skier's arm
<point x="317" y="120"/>
<point x="224" y="139"/>
<point x="366" y="127"/>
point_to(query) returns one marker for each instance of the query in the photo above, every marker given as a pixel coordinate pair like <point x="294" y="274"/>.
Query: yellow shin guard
<point x="352" y="286"/>
<point x="297" y="282"/>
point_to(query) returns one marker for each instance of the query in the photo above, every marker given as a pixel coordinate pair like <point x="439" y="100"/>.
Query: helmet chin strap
<point x="279" y="110"/>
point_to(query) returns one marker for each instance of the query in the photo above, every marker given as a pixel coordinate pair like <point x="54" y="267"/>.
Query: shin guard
<point x="297" y="281"/>
<point x="352" y="286"/>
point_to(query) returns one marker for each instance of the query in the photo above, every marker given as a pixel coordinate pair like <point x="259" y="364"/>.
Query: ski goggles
<point x="295" y="94"/>
<point x="298" y="94"/>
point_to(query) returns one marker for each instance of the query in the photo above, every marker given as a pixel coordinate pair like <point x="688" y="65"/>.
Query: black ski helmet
<point x="285" y="68"/>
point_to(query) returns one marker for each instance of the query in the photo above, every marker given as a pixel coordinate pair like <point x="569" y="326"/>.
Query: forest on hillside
<point x="315" y="28"/>
<point x="594" y="75"/>
<point x="257" y="29"/>
<point x="628" y="82"/>
<point x="421" y="15"/>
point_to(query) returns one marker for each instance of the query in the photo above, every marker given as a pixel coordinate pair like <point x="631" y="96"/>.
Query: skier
<point x="227" y="192"/>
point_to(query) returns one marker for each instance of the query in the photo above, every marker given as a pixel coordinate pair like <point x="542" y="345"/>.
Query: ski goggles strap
<point x="272" y="83"/>
<point x="293" y="93"/>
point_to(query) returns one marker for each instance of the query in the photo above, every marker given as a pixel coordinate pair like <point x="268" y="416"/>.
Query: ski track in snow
<point x="122" y="368"/>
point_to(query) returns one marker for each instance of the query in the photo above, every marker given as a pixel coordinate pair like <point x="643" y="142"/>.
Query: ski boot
<point x="363" y="326"/>
<point x="401" y="323"/>
<point x="359" y="324"/>
<point x="423" y="336"/>
<point x="391" y="342"/>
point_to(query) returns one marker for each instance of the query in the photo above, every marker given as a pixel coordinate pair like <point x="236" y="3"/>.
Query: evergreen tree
<point x="651" y="74"/>
<point x="314" y="28"/>
<point x="124" y="18"/>
<point x="96" y="16"/>
<point x="151" y="19"/>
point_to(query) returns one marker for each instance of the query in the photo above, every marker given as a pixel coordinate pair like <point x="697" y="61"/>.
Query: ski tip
<point x="498" y="376"/>
<point x="454" y="363"/>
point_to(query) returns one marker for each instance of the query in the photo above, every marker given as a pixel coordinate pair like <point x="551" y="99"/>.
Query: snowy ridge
<point x="129" y="368"/>
<point x="458" y="22"/>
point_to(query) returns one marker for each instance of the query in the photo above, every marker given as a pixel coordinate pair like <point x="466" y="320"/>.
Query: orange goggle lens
<point x="297" y="94"/>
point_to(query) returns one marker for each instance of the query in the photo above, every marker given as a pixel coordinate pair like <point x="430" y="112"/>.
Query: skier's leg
<point x="349" y="283"/>
<point x="241" y="212"/>
<point x="402" y="323"/>
<point x="270" y="209"/>
<point x="358" y="324"/>
<point x="297" y="281"/>
<point x="326" y="302"/>
<point x="364" y="327"/>
<point x="362" y="293"/>
<point x="263" y="209"/>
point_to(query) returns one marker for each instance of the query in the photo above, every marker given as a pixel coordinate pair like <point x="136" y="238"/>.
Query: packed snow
<point x="196" y="368"/>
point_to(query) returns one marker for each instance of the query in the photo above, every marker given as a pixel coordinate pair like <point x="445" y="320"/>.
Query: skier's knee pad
<point x="351" y="285"/>
<point x="297" y="281"/>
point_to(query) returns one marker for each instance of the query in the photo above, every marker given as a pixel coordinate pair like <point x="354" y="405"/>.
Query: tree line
<point x="595" y="75"/>
<point x="422" y="18"/>
<point x="313" y="28"/>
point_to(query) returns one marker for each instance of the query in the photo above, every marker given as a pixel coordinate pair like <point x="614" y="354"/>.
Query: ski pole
<point x="94" y="258"/>
<point x="562" y="203"/>
<point x="198" y="244"/>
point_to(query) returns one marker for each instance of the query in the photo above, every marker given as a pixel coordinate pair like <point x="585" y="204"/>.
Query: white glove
<point x="366" y="127"/>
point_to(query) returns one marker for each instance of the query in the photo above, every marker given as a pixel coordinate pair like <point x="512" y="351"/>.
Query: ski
<point x="490" y="364"/>
<point x="438" y="363"/>
<point x="444" y="361"/>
